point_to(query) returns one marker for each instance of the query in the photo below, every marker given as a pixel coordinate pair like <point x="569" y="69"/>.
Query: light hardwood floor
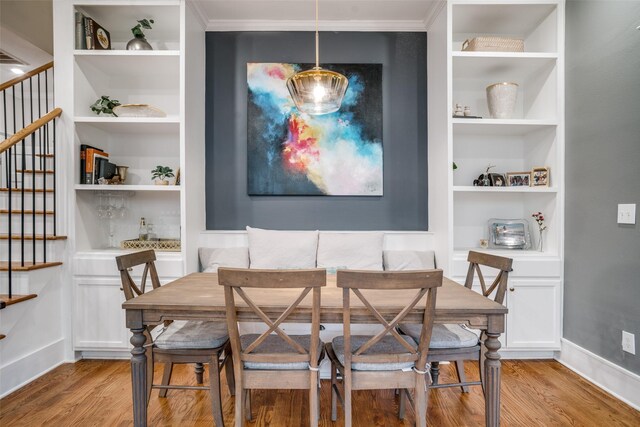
<point x="98" y="393"/>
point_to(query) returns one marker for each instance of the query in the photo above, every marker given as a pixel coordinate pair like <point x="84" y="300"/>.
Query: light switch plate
<point x="628" y="342"/>
<point x="627" y="214"/>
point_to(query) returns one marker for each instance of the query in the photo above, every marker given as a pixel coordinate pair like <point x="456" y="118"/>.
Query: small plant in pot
<point x="139" y="42"/>
<point x="161" y="173"/>
<point x="104" y="105"/>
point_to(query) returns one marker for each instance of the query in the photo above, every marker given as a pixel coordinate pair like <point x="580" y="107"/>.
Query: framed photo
<point x="497" y="180"/>
<point x="519" y="179"/>
<point x="509" y="234"/>
<point x="540" y="177"/>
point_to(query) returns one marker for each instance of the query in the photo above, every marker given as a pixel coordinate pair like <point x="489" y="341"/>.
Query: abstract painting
<point x="290" y="153"/>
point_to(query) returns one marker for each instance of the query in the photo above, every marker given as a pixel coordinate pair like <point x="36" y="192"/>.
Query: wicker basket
<point x="493" y="44"/>
<point x="162" y="245"/>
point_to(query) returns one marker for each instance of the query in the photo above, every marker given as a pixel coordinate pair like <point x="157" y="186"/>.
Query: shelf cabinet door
<point x="534" y="314"/>
<point x="99" y="317"/>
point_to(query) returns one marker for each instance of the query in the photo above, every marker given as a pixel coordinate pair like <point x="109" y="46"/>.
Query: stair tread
<point x="37" y="171"/>
<point x="26" y="190"/>
<point x="30" y="237"/>
<point x="5" y="301"/>
<point x="44" y="155"/>
<point x="28" y="266"/>
<point x="27" y="211"/>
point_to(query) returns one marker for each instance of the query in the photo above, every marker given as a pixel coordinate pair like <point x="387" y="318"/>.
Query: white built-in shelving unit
<point x="534" y="137"/>
<point x="164" y="78"/>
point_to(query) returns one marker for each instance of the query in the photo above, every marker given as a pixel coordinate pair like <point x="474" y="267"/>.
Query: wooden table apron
<point x="199" y="297"/>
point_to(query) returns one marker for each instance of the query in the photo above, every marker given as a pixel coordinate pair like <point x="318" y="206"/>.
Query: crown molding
<point x="197" y="8"/>
<point x="309" y="25"/>
<point x="433" y="13"/>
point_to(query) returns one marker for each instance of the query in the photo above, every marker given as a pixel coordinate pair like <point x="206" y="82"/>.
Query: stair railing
<point x="36" y="162"/>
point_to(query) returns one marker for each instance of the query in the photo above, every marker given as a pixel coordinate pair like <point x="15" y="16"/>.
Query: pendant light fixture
<point x="317" y="91"/>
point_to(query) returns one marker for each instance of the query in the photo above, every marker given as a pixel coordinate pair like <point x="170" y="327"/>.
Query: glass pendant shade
<point x="317" y="91"/>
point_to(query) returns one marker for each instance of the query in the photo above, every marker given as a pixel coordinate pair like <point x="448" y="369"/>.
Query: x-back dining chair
<point x="387" y="360"/>
<point x="456" y="343"/>
<point x="273" y="359"/>
<point x="180" y="341"/>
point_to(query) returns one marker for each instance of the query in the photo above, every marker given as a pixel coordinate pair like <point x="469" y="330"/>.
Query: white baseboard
<point x="617" y="381"/>
<point x="103" y="355"/>
<point x="21" y="372"/>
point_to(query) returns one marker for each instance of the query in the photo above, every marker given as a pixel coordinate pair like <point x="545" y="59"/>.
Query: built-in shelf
<point x="461" y="253"/>
<point x="473" y="189"/>
<point x="126" y="53"/>
<point x="87" y="187"/>
<point x="499" y="126"/>
<point x="501" y="66"/>
<point x="133" y="125"/>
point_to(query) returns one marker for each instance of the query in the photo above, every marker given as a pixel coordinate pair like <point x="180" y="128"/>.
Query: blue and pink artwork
<point x="292" y="153"/>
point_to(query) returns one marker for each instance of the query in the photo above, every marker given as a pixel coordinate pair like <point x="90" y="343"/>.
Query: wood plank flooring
<point x="98" y="393"/>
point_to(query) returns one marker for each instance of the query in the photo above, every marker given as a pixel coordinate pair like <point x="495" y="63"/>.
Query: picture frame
<point x="497" y="180"/>
<point x="509" y="234"/>
<point x="541" y="177"/>
<point x="519" y="179"/>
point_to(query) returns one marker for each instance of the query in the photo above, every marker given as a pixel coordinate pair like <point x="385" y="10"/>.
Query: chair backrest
<point x="425" y="282"/>
<point x="236" y="280"/>
<point x="503" y="264"/>
<point x="127" y="262"/>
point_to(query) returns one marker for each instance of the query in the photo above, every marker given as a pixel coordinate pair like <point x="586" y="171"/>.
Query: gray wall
<point x="602" y="267"/>
<point x="404" y="94"/>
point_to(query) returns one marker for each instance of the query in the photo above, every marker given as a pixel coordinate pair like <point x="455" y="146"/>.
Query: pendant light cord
<point x="317" y="38"/>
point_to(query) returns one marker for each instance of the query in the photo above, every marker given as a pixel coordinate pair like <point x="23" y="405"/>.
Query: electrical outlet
<point x="627" y="213"/>
<point x="628" y="342"/>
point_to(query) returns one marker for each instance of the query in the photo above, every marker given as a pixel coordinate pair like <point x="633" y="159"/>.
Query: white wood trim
<point x="615" y="380"/>
<point x="32" y="366"/>
<point x="309" y="25"/>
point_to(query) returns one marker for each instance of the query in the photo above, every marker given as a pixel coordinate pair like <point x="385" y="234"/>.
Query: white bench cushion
<point x="353" y="251"/>
<point x="387" y="345"/>
<point x="444" y="336"/>
<point x="212" y="258"/>
<point x="273" y="249"/>
<point x="183" y="334"/>
<point x="409" y="260"/>
<point x="274" y="344"/>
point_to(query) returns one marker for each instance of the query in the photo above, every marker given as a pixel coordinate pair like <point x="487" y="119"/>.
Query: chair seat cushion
<point x="444" y="336"/>
<point x="387" y="345"/>
<point x="182" y="334"/>
<point x="274" y="344"/>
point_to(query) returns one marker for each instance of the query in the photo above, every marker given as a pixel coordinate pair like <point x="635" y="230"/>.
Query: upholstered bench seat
<point x="444" y="336"/>
<point x="183" y="334"/>
<point x="387" y="345"/>
<point x="274" y="344"/>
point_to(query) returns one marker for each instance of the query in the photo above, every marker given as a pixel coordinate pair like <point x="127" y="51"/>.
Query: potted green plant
<point x="161" y="173"/>
<point x="105" y="105"/>
<point x="139" y="42"/>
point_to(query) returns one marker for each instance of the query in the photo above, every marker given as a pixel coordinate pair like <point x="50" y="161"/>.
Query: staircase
<point x="28" y="203"/>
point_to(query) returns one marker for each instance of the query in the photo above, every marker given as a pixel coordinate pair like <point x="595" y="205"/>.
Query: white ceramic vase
<point x="501" y="98"/>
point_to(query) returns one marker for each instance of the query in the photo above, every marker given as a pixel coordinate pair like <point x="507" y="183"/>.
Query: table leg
<point x="139" y="377"/>
<point x="492" y="368"/>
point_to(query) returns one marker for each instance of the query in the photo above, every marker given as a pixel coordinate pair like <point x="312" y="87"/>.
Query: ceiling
<point x="299" y="15"/>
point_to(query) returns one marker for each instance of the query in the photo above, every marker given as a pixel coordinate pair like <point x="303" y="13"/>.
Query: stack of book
<point x="94" y="164"/>
<point x="91" y="35"/>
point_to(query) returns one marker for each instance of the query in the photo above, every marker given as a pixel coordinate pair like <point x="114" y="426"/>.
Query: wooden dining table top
<point x="198" y="295"/>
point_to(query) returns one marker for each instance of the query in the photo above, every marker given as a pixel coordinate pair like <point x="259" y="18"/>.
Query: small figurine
<point x="467" y="111"/>
<point x="458" y="111"/>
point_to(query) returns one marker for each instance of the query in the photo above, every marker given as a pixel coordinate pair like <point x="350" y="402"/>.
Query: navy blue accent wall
<point x="404" y="92"/>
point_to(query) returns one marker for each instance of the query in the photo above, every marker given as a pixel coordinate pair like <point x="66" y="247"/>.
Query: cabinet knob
<point x="512" y="289"/>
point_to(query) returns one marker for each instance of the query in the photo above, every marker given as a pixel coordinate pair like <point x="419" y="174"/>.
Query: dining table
<point x="198" y="296"/>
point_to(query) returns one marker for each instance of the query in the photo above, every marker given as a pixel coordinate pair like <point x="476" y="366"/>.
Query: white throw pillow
<point x="409" y="260"/>
<point x="212" y="258"/>
<point x="353" y="251"/>
<point x="273" y="249"/>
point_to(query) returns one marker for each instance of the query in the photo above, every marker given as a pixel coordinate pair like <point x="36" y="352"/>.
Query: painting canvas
<point x="293" y="153"/>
